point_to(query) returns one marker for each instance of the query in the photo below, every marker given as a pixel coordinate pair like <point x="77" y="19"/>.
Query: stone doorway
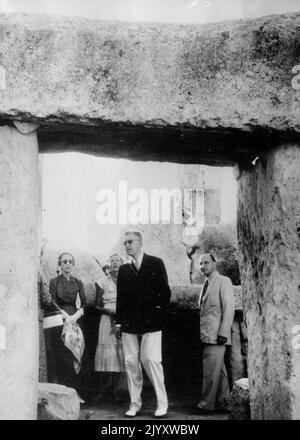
<point x="214" y="94"/>
<point x="165" y="240"/>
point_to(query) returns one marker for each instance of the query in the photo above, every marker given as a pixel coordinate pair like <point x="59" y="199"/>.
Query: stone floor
<point x="181" y="407"/>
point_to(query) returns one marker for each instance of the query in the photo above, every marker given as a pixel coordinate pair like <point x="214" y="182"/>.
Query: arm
<point x="53" y="295"/>
<point x="99" y="305"/>
<point x="80" y="311"/>
<point x="164" y="294"/>
<point x="82" y="294"/>
<point x="159" y="293"/>
<point x="53" y="292"/>
<point x="120" y="303"/>
<point x="45" y="296"/>
<point x="227" y="305"/>
<point x="99" y="296"/>
<point x="120" y="296"/>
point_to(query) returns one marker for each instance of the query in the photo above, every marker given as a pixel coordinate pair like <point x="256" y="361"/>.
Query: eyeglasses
<point x="128" y="242"/>
<point x="68" y="261"/>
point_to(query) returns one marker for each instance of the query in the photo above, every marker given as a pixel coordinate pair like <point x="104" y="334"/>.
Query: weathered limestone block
<point x="19" y="223"/>
<point x="57" y="402"/>
<point x="43" y="372"/>
<point x="238" y="298"/>
<point x="25" y="127"/>
<point x="210" y="87"/>
<point x="243" y="330"/>
<point x="240" y="400"/>
<point x="269" y="240"/>
<point x="244" y="342"/>
<point x="235" y="353"/>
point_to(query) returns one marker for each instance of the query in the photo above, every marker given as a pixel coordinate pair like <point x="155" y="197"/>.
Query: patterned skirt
<point x="109" y="353"/>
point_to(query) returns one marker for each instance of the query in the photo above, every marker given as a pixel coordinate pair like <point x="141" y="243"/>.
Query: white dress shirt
<point x="138" y="261"/>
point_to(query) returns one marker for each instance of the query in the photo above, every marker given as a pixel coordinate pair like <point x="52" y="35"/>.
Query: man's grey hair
<point x="138" y="234"/>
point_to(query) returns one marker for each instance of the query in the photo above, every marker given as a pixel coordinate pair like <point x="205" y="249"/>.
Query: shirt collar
<point x="211" y="276"/>
<point x="65" y="278"/>
<point x="139" y="259"/>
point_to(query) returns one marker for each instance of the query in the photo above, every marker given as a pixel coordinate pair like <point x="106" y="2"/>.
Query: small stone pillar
<point x="239" y="400"/>
<point x="19" y="222"/>
<point x="269" y="241"/>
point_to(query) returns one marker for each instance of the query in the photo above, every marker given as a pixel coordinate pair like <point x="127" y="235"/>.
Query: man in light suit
<point x="143" y="293"/>
<point x="216" y="305"/>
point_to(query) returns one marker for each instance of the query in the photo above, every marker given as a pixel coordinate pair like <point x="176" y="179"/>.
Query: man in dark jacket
<point x="143" y="293"/>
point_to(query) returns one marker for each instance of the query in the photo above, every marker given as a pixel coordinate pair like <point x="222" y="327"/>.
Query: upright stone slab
<point x="18" y="274"/>
<point x="235" y="353"/>
<point x="269" y="240"/>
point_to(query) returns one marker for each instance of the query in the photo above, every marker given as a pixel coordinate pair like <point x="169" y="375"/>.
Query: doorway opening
<point x="182" y="210"/>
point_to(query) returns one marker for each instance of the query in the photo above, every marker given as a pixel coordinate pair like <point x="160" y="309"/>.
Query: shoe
<point x="161" y="413"/>
<point x="203" y="411"/>
<point x="133" y="411"/>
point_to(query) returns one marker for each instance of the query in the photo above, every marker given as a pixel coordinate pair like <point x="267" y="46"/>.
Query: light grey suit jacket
<point x="216" y="310"/>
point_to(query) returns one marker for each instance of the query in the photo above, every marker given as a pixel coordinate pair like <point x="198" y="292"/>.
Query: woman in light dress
<point x="109" y="358"/>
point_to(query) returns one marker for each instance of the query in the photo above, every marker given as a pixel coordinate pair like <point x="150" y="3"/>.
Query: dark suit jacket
<point x="142" y="296"/>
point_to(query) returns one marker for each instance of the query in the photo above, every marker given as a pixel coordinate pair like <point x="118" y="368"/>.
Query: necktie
<point x="135" y="266"/>
<point x="204" y="290"/>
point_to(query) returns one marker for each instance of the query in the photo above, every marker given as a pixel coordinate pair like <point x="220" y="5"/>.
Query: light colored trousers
<point x="215" y="387"/>
<point x="148" y="352"/>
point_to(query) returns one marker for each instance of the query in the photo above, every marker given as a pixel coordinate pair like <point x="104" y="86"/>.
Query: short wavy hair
<point x="118" y="255"/>
<point x="138" y="234"/>
<point x="59" y="261"/>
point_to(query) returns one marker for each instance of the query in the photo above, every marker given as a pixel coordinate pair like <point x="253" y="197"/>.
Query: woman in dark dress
<point x="67" y="292"/>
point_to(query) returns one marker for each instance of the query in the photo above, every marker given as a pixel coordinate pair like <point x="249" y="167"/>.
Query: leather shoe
<point x="133" y="411"/>
<point x="161" y="413"/>
<point x="204" y="412"/>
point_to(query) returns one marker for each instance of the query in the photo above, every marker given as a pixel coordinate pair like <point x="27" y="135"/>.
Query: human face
<point x="115" y="263"/>
<point x="207" y="266"/>
<point x="67" y="264"/>
<point x="132" y="244"/>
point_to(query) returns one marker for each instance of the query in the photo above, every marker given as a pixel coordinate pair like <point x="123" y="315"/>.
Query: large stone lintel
<point x="206" y="88"/>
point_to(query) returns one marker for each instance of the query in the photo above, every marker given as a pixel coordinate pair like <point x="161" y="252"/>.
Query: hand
<point x="73" y="318"/>
<point x="221" y="340"/>
<point x="76" y="316"/>
<point x="70" y="319"/>
<point x="65" y="314"/>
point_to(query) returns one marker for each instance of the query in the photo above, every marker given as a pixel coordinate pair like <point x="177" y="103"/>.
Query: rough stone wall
<point x="201" y="88"/>
<point x="18" y="274"/>
<point x="269" y="240"/>
<point x="159" y="73"/>
<point x="216" y="81"/>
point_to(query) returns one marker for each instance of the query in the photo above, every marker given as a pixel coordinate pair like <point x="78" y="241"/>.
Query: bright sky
<point x="71" y="182"/>
<point x="186" y="11"/>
